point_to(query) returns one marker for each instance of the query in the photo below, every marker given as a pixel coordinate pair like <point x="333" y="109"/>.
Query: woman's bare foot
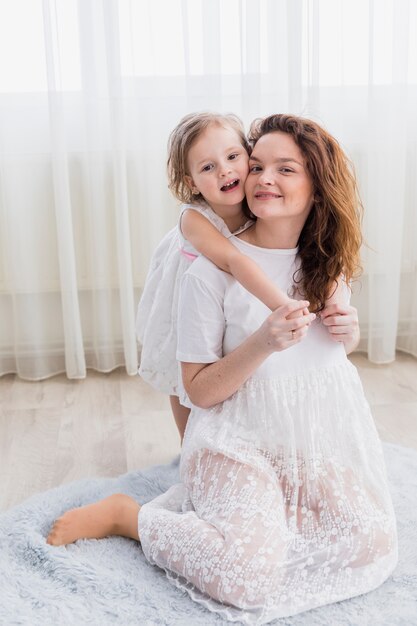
<point x="115" y="515"/>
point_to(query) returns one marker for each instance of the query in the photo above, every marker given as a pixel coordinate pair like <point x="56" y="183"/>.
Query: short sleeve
<point x="345" y="291"/>
<point x="201" y="322"/>
<point x="206" y="211"/>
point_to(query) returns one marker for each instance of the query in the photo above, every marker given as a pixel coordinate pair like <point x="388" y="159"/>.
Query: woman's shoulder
<point x="202" y="271"/>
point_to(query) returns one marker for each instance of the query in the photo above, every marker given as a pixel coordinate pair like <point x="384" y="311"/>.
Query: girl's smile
<point x="230" y="186"/>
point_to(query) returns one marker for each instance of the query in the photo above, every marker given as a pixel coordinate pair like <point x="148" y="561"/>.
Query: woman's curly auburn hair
<point x="330" y="241"/>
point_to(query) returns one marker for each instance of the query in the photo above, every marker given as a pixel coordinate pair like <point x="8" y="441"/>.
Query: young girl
<point x="207" y="170"/>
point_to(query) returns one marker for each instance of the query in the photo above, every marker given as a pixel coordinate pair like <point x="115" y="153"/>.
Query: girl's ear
<point x="190" y="184"/>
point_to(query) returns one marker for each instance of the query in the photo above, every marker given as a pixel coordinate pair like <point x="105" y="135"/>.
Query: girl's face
<point x="278" y="184"/>
<point x="218" y="167"/>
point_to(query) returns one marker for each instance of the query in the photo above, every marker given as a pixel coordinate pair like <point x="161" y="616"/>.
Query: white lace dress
<point x="284" y="503"/>
<point x="156" y="319"/>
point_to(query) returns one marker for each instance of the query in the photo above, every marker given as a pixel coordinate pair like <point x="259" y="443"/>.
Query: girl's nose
<point x="225" y="168"/>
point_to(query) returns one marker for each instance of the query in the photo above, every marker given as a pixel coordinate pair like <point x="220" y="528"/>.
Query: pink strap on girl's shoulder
<point x="188" y="255"/>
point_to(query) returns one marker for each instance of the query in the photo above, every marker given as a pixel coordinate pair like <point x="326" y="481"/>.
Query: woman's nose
<point x="265" y="178"/>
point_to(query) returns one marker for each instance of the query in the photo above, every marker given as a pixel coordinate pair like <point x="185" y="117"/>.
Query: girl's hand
<point x="342" y="323"/>
<point x="297" y="312"/>
<point x="278" y="332"/>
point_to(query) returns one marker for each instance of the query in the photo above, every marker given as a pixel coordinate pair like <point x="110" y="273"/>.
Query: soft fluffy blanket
<point x="110" y="582"/>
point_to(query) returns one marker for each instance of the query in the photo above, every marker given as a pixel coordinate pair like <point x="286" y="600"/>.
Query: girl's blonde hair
<point x="183" y="137"/>
<point x="329" y="244"/>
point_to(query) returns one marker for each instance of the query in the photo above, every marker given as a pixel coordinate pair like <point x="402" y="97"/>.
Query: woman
<point x="284" y="504"/>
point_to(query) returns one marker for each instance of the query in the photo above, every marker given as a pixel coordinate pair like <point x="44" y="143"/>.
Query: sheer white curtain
<point x="89" y="92"/>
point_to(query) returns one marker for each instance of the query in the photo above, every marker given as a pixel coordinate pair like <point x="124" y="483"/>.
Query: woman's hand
<point x="342" y="323"/>
<point x="278" y="332"/>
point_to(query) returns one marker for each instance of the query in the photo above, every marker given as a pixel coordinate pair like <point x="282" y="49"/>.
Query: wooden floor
<point x="57" y="430"/>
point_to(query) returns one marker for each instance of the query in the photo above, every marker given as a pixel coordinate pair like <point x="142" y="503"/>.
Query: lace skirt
<point x="284" y="503"/>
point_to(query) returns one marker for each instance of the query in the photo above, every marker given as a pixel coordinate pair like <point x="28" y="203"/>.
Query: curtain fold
<point x="84" y="120"/>
<point x="73" y="340"/>
<point x="121" y="205"/>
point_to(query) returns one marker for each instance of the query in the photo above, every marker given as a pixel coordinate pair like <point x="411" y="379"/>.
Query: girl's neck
<point x="232" y="216"/>
<point x="233" y="223"/>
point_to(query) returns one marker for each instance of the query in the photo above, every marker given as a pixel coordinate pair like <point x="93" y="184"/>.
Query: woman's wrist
<point x="263" y="343"/>
<point x="352" y="341"/>
<point x="342" y="323"/>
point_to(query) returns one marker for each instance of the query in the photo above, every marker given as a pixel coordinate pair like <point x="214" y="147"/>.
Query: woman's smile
<point x="266" y="195"/>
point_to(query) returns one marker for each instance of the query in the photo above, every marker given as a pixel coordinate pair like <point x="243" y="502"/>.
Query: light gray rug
<point x="109" y="581"/>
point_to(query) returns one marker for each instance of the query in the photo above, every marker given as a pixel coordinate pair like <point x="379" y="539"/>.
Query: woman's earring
<point x="195" y="191"/>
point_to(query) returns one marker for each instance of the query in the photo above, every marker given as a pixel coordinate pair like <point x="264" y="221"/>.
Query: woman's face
<point x="278" y="184"/>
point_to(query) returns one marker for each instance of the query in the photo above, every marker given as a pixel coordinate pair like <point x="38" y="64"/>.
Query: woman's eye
<point x="286" y="170"/>
<point x="254" y="169"/>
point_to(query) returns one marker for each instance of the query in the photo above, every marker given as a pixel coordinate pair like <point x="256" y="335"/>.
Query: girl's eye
<point x="233" y="156"/>
<point x="207" y="168"/>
